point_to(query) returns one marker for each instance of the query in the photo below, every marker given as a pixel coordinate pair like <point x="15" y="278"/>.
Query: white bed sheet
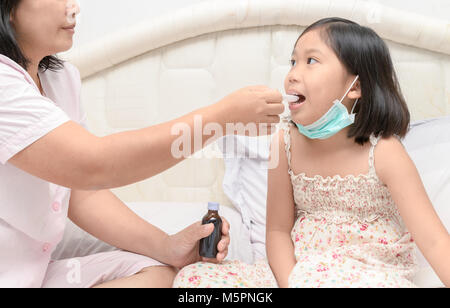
<point x="171" y="217"/>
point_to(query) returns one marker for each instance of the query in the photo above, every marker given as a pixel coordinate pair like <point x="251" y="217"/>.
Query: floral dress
<point x="347" y="233"/>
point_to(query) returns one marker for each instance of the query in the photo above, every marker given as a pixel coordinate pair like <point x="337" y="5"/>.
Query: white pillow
<point x="171" y="217"/>
<point x="428" y="145"/>
<point x="245" y="183"/>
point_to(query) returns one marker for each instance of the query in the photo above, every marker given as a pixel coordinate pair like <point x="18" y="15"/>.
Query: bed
<point x="134" y="78"/>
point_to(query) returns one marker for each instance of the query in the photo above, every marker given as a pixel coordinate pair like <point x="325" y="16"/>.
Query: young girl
<point x="346" y="201"/>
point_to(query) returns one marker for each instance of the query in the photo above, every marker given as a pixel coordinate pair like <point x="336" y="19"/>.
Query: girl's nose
<point x="292" y="77"/>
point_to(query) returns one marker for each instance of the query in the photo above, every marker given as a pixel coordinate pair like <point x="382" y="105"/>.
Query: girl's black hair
<point x="382" y="108"/>
<point x="8" y="43"/>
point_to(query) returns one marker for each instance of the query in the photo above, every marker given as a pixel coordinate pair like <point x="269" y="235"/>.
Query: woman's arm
<point x="104" y="216"/>
<point x="280" y="215"/>
<point x="72" y="157"/>
<point x="396" y="169"/>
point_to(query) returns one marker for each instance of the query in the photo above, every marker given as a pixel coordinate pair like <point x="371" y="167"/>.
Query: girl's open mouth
<point x="301" y="99"/>
<point x="297" y="104"/>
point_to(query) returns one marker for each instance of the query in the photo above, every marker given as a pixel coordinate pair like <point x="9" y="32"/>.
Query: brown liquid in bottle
<point x="208" y="245"/>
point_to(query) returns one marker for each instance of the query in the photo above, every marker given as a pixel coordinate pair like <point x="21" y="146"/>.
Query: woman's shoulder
<point x="12" y="73"/>
<point x="68" y="74"/>
<point x="10" y="70"/>
<point x="72" y="70"/>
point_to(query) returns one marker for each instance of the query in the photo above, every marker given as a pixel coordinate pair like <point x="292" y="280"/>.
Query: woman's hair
<point x="8" y="43"/>
<point x="381" y="108"/>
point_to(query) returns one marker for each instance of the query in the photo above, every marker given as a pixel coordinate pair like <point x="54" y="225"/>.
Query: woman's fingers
<point x="253" y="110"/>
<point x="274" y="109"/>
<point x="222" y="255"/>
<point x="225" y="226"/>
<point x="273" y="96"/>
<point x="273" y="119"/>
<point x="223" y="244"/>
<point x="225" y="241"/>
<point x="210" y="260"/>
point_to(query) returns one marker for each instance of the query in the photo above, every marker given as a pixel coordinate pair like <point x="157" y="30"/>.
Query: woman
<point x="51" y="167"/>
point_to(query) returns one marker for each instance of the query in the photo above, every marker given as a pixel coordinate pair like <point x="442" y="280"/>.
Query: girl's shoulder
<point x="389" y="145"/>
<point x="281" y="140"/>
<point x="286" y="127"/>
<point x="287" y="133"/>
<point x="283" y="130"/>
<point x="389" y="153"/>
<point x="285" y="123"/>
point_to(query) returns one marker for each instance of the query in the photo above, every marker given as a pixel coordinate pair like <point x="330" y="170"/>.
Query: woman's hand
<point x="183" y="247"/>
<point x="252" y="105"/>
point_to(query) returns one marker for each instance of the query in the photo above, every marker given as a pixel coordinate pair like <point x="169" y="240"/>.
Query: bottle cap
<point x="213" y="206"/>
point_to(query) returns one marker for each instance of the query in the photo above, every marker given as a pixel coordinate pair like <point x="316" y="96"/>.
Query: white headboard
<point x="136" y="77"/>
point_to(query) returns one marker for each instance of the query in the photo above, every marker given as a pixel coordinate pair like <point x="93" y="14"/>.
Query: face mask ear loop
<point x="351" y="112"/>
<point x="357" y="76"/>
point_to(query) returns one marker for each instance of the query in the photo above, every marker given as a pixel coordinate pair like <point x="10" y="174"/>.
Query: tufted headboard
<point x="163" y="68"/>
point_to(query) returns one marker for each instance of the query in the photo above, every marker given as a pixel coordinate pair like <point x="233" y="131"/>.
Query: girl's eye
<point x="311" y="59"/>
<point x="292" y="62"/>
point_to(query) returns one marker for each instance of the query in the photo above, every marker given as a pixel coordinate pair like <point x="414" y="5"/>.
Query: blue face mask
<point x="330" y="123"/>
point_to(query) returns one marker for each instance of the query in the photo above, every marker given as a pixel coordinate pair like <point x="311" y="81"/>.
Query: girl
<point x="346" y="201"/>
<point x="51" y="167"/>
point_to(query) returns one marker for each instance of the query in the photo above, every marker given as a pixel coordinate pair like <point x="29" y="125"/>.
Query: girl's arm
<point x="396" y="169"/>
<point x="280" y="215"/>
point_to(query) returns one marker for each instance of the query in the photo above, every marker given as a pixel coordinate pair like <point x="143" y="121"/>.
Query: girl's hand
<point x="252" y="105"/>
<point x="183" y="247"/>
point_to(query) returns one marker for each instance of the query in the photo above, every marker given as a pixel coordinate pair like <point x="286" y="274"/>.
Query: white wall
<point x="99" y="17"/>
<point x="433" y="8"/>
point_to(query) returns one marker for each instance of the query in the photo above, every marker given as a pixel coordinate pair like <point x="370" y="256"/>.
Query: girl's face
<point x="41" y="25"/>
<point x="319" y="78"/>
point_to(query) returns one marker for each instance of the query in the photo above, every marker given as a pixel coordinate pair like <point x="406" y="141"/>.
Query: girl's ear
<point x="355" y="92"/>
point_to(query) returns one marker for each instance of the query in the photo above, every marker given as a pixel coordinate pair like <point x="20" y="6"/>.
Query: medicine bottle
<point x="208" y="245"/>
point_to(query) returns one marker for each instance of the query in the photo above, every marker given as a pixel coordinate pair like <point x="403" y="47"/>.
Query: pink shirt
<point x="33" y="212"/>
